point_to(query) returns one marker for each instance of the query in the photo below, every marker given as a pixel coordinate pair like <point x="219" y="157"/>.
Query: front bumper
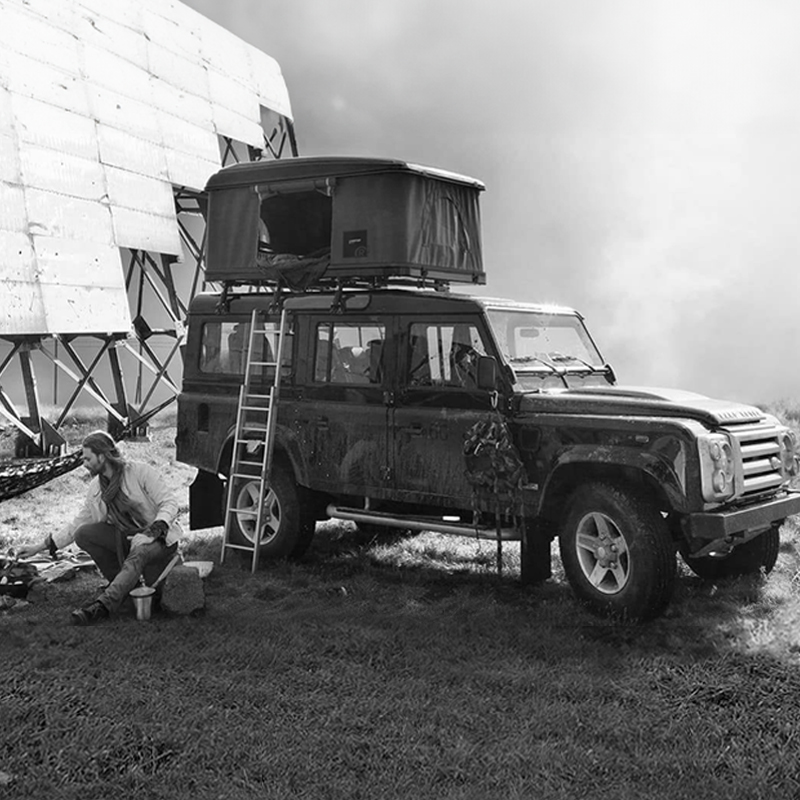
<point x="755" y="518"/>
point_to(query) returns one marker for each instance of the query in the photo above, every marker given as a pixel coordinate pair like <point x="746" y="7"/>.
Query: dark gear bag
<point x="493" y="465"/>
<point x="16" y="577"/>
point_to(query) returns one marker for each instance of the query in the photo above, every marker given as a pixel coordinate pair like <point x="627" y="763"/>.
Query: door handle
<point x="413" y="430"/>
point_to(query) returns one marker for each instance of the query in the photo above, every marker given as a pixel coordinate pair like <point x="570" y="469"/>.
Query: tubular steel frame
<point x="146" y="275"/>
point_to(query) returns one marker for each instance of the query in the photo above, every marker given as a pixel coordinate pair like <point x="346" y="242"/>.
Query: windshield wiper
<point x="552" y="367"/>
<point x="561" y="358"/>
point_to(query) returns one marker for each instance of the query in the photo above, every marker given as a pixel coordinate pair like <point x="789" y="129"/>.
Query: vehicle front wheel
<point x="287" y="527"/>
<point x="746" y="559"/>
<point x="617" y="552"/>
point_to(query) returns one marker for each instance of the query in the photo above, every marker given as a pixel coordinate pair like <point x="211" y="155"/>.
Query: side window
<point x="444" y="355"/>
<point x="224" y="348"/>
<point x="349" y="352"/>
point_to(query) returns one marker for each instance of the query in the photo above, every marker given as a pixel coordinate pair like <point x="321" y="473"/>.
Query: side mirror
<point x="487" y="373"/>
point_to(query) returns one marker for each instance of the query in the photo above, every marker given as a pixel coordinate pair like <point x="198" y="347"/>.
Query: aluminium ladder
<point x="254" y="435"/>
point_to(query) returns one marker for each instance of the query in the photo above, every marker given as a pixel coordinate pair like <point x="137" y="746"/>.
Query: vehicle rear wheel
<point x="617" y="552"/>
<point x="287" y="527"/>
<point x="747" y="559"/>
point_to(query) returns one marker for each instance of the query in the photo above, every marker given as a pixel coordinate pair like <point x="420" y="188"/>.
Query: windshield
<point x="542" y="342"/>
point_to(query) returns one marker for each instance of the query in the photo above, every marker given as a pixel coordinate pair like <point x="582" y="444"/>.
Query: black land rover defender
<point x="427" y="409"/>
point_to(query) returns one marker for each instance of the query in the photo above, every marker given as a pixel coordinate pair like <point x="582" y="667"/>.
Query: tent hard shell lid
<point x="303" y="219"/>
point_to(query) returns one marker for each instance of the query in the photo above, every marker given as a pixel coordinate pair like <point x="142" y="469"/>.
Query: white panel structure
<point x="106" y="108"/>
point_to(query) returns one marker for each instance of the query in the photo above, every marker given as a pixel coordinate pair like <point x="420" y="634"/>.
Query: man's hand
<point x="156" y="532"/>
<point x="158" y="529"/>
<point x="33" y="549"/>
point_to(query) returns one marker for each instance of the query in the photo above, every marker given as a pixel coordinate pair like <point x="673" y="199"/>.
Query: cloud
<point x="640" y="156"/>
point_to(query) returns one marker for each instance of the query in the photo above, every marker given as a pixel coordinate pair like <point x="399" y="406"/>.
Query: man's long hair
<point x="100" y="443"/>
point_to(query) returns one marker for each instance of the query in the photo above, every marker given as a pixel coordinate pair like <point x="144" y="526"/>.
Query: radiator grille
<point x="760" y="452"/>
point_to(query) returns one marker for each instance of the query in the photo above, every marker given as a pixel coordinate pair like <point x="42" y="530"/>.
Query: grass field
<point x="400" y="667"/>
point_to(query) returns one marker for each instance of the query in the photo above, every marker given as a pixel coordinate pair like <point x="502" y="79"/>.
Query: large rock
<point x="182" y="591"/>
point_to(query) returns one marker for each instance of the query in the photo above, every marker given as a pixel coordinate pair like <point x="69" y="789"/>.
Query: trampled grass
<point x="399" y="666"/>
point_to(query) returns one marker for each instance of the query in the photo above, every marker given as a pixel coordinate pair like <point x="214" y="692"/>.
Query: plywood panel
<point x="182" y="104"/>
<point x="124" y="113"/>
<point x="176" y="70"/>
<point x="56" y="13"/>
<point x="54" y="128"/>
<point x="82" y="286"/>
<point x="6" y="112"/>
<point x="189" y="171"/>
<point x="123" y="12"/>
<point x="141" y="192"/>
<point x="16" y="257"/>
<point x="177" y="134"/>
<point x="105" y="33"/>
<point x="9" y="161"/>
<point x="269" y="83"/>
<point x="21" y="307"/>
<point x="75" y="262"/>
<point x="64" y="217"/>
<point x="229" y="93"/>
<point x="35" y="37"/>
<point x="167" y="31"/>
<point x="226" y="52"/>
<point x="142" y="231"/>
<point x="77" y="309"/>
<point x="12" y="208"/>
<point x="30" y="78"/>
<point x="122" y="149"/>
<point x="59" y="172"/>
<point x="229" y="123"/>
<point x="107" y="69"/>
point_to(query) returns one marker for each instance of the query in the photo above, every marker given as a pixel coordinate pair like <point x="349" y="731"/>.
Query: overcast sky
<point x="641" y="157"/>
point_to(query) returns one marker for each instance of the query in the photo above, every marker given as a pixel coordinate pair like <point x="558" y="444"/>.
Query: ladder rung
<point x="255" y="396"/>
<point x="243" y="475"/>
<point x="263" y="363"/>
<point x="249" y="548"/>
<point x="242" y="463"/>
<point x="254" y="408"/>
<point x="248" y="428"/>
<point x="240" y="512"/>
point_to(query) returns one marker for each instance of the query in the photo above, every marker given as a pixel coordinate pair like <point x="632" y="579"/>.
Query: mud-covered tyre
<point x="617" y="552"/>
<point x="287" y="526"/>
<point x="747" y="559"/>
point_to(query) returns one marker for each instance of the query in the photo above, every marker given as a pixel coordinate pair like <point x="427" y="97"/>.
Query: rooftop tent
<point x="302" y="218"/>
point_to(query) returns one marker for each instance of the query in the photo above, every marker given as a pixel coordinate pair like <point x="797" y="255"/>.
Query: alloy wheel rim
<point x="603" y="554"/>
<point x="247" y="502"/>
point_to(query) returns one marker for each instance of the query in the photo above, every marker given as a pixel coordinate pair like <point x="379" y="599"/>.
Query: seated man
<point x="464" y="365"/>
<point x="127" y="524"/>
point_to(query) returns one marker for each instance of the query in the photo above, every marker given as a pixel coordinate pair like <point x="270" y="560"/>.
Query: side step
<point x="436" y="524"/>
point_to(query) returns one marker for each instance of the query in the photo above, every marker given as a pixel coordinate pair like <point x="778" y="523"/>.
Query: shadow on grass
<point x="407" y="572"/>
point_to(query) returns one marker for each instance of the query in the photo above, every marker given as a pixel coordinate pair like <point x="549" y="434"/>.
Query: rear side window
<point x="349" y="353"/>
<point x="224" y="349"/>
